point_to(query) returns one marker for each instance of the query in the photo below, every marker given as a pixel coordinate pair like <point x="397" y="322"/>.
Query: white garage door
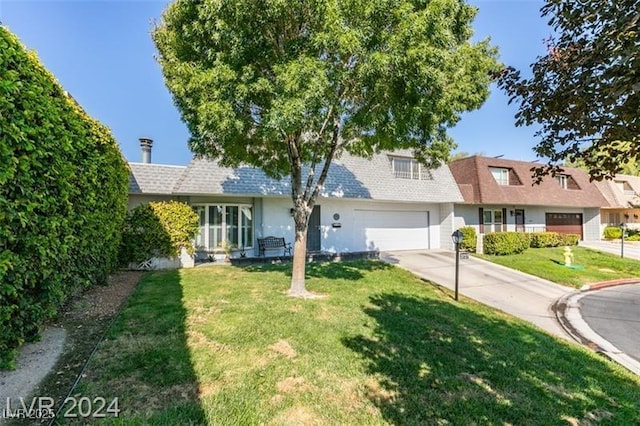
<point x="393" y="229"/>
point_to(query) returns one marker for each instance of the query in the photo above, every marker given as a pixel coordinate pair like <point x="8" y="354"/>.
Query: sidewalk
<point x="521" y="295"/>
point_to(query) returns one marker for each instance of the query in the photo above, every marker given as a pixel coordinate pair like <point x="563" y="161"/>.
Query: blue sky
<point x="102" y="53"/>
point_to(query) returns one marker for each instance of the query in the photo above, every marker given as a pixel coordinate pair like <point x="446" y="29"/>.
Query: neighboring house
<point x="388" y="202"/>
<point x="499" y="195"/>
<point x="624" y="203"/>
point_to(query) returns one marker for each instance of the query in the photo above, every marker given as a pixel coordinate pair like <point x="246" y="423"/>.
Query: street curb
<point x="612" y="283"/>
<point x="567" y="310"/>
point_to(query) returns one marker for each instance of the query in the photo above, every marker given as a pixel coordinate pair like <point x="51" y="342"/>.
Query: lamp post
<point x="623" y="228"/>
<point x="457" y="239"/>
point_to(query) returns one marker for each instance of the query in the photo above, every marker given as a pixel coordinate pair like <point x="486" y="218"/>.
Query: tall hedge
<point x="63" y="194"/>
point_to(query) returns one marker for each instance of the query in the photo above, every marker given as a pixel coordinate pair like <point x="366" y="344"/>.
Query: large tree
<point x="286" y="86"/>
<point x="585" y="92"/>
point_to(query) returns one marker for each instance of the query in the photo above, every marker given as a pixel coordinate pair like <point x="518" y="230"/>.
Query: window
<point x="567" y="182"/>
<point x="492" y="220"/>
<point x="500" y="175"/>
<point x="614" y="218"/>
<point x="562" y="181"/>
<point x="408" y="168"/>
<point x="219" y="223"/>
<point x="624" y="187"/>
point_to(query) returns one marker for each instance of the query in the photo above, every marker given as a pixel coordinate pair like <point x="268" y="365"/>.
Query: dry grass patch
<point x="298" y="416"/>
<point x="284" y="348"/>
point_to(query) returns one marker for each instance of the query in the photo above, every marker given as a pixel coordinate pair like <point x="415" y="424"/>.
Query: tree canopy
<point x="280" y="84"/>
<point x="585" y="92"/>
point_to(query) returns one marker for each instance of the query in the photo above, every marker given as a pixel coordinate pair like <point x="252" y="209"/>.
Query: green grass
<point x="548" y="263"/>
<point x="225" y="345"/>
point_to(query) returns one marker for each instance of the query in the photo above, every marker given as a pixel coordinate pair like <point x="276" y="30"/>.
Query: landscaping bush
<point x="545" y="239"/>
<point x="569" y="239"/>
<point x="158" y="229"/>
<point x="612" y="233"/>
<point x="63" y="195"/>
<point x="504" y="243"/>
<point x="469" y="238"/>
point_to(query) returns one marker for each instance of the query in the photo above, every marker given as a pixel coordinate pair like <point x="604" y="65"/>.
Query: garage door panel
<point x="564" y="223"/>
<point x="393" y="230"/>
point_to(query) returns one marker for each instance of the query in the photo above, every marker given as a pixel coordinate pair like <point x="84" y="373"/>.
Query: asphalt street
<point x="614" y="313"/>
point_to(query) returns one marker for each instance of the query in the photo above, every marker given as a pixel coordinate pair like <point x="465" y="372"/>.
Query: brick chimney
<point x="146" y="144"/>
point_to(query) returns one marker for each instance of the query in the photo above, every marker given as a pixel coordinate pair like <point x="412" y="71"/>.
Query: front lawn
<point x="548" y="263"/>
<point x="225" y="345"/>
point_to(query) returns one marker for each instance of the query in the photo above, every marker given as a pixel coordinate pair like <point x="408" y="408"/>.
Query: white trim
<point x="223" y="223"/>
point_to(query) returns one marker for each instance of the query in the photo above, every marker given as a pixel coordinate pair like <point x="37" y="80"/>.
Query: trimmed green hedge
<point x="545" y="239"/>
<point x="158" y="229"/>
<point x="612" y="233"/>
<point x="503" y="243"/>
<point x="569" y="239"/>
<point x="469" y="238"/>
<point x="63" y="195"/>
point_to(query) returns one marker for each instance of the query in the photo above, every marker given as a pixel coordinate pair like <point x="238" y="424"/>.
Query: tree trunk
<point x="298" y="268"/>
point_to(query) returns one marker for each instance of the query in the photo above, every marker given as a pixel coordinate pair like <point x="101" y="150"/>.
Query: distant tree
<point x="585" y="92"/>
<point x="459" y="155"/>
<point x="631" y="167"/>
<point x="287" y="86"/>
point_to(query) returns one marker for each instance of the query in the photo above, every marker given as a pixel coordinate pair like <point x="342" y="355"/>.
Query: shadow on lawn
<point x="438" y="362"/>
<point x="145" y="360"/>
<point x="345" y="270"/>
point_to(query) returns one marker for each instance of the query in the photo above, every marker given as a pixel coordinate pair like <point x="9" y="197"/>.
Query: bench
<point x="273" y="243"/>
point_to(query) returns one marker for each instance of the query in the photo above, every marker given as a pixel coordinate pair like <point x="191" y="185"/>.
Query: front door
<point x="313" y="230"/>
<point x="519" y="220"/>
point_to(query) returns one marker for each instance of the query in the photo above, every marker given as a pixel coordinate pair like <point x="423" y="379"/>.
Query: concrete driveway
<point x="631" y="248"/>
<point x="521" y="295"/>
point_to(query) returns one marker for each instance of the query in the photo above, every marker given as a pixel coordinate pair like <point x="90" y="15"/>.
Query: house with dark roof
<point x="500" y="195"/>
<point x="387" y="202"/>
<point x="623" y="196"/>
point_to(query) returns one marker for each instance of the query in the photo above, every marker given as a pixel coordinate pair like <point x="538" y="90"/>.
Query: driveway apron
<point x="521" y="295"/>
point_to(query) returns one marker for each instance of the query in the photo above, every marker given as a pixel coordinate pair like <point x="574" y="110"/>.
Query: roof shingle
<point x="478" y="185"/>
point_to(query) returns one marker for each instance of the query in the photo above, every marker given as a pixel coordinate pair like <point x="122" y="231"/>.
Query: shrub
<point x="545" y="239"/>
<point x="504" y="243"/>
<point x="569" y="239"/>
<point x="469" y="238"/>
<point x="63" y="196"/>
<point x="612" y="233"/>
<point x="158" y="229"/>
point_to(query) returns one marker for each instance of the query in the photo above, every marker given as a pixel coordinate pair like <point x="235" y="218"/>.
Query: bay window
<point x="224" y="222"/>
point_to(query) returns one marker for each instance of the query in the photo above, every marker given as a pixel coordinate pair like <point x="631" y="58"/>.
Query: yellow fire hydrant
<point x="568" y="256"/>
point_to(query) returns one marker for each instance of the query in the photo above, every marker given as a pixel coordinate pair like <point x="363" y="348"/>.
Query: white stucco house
<point x="388" y="202"/>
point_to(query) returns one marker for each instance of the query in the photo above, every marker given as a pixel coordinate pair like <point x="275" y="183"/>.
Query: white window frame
<point x="494" y="223"/>
<point x="204" y="237"/>
<point x="563" y="181"/>
<point x="416" y="170"/>
<point x="500" y="175"/>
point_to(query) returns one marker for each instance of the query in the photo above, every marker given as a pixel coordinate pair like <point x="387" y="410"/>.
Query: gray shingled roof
<point x="149" y="178"/>
<point x="349" y="177"/>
